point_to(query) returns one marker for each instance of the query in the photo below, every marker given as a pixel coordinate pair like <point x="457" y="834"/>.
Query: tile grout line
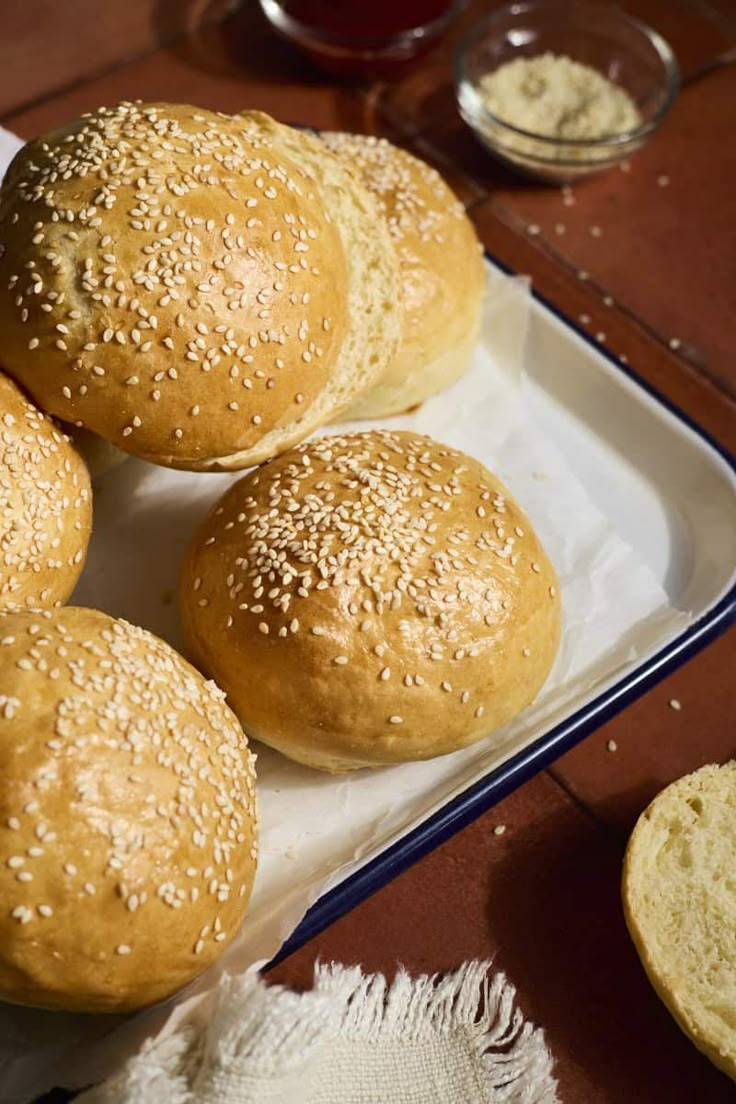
<point x="78" y="82"/>
<point x="164" y="43"/>
<point x="608" y="830"/>
<point x="724" y="23"/>
<point x="513" y="223"/>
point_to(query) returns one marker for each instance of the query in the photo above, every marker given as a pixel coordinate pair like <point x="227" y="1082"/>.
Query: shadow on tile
<point x="557" y="919"/>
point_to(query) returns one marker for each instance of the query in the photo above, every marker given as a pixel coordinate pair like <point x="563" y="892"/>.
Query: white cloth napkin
<point x="352" y="1040"/>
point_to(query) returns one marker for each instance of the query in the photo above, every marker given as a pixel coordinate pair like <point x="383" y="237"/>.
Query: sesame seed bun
<point x="441" y="269"/>
<point x="370" y="599"/>
<point x="45" y="506"/>
<point x="195" y="288"/>
<point x="127" y="815"/>
<point x="680" y="907"/>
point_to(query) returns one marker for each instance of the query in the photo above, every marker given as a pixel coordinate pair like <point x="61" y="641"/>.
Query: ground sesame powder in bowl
<point x="563" y="90"/>
<point x="556" y="97"/>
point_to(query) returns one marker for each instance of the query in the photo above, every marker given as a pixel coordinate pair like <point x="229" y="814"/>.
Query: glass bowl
<point x="350" y="38"/>
<point x="626" y="51"/>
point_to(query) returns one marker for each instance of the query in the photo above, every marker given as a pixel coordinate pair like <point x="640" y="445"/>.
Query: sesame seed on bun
<point x="45" y="506"/>
<point x="371" y="598"/>
<point x="200" y="290"/>
<point x="441" y="271"/>
<point x="127" y="814"/>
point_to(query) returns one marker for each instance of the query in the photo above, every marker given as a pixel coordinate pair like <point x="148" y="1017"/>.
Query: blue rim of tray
<point x="481" y="795"/>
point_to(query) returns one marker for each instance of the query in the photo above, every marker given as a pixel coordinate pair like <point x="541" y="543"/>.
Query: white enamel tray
<point x="664" y="492"/>
<point x="659" y="493"/>
<point x="667" y="488"/>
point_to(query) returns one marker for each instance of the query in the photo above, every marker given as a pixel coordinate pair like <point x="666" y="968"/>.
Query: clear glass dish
<point x="626" y="51"/>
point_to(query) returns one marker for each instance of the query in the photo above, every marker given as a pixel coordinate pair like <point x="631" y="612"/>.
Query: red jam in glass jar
<point x="353" y="38"/>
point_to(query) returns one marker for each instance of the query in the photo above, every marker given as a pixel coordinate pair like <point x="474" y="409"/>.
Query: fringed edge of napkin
<point x="255" y="1030"/>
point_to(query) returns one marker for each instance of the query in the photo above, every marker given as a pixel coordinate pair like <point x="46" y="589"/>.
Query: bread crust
<point x="45" y="506"/>
<point x="441" y="269"/>
<point x="371" y="598"/>
<point x="174" y="280"/>
<point x="679" y="910"/>
<point x="127" y="815"/>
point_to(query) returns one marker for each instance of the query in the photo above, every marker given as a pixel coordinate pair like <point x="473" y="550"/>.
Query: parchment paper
<point x="316" y="828"/>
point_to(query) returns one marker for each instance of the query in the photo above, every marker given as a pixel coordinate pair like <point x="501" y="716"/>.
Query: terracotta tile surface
<point x="692" y="29"/>
<point x="672" y="218"/>
<point x="654" y="742"/>
<point x="46" y="45"/>
<point x="647" y="354"/>
<point x="542" y="899"/>
<point x="228" y="67"/>
<point x="722" y="11"/>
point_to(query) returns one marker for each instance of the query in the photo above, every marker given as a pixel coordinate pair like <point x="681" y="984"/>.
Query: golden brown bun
<point x="373" y="289"/>
<point x="370" y="599"/>
<point x="45" y="506"/>
<point x="127" y="815"/>
<point x="185" y="284"/>
<point x="680" y="905"/>
<point x="441" y="266"/>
